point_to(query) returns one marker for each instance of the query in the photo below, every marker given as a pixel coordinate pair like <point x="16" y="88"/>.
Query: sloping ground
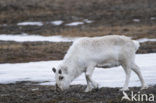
<point x="12" y="52"/>
<point x="32" y="51"/>
<point x="13" y="11"/>
<point x="27" y="92"/>
<point x="123" y="17"/>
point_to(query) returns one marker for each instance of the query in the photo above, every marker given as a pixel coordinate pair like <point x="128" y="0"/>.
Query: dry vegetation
<point x="109" y="16"/>
<point x="65" y="9"/>
<point x="136" y="32"/>
<point x="12" y="52"/>
<point x="31" y="51"/>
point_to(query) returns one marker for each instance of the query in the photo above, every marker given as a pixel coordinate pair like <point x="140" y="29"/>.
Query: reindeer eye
<point x="61" y="77"/>
<point x="60" y="72"/>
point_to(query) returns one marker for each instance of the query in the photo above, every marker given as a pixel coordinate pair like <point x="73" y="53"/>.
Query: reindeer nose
<point x="56" y="86"/>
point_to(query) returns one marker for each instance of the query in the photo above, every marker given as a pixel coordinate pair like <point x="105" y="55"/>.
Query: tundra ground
<point x="14" y="52"/>
<point x="134" y="18"/>
<point x="30" y="92"/>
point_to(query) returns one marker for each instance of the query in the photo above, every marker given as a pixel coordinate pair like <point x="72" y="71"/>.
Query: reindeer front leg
<point x="90" y="82"/>
<point x="89" y="86"/>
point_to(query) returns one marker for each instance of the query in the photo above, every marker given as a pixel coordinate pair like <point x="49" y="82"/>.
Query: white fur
<point x="89" y="52"/>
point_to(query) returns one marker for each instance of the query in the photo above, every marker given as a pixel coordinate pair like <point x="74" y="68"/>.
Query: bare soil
<point x="31" y="92"/>
<point x="109" y="16"/>
<point x="12" y="52"/>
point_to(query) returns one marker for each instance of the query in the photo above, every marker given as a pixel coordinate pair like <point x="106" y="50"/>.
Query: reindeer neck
<point x="74" y="68"/>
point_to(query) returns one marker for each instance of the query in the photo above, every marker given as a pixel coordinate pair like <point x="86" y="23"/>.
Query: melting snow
<point x="57" y="23"/>
<point x="146" y="40"/>
<point x="87" y="21"/>
<point x="3" y="25"/>
<point x="34" y="38"/>
<point x="153" y="18"/>
<point x="136" y="20"/>
<point x="30" y="23"/>
<point x="74" y="24"/>
<point x="114" y="77"/>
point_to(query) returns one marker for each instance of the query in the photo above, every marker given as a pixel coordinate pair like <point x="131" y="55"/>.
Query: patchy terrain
<point x="134" y="18"/>
<point x="13" y="52"/>
<point x="122" y="17"/>
<point x="30" y="92"/>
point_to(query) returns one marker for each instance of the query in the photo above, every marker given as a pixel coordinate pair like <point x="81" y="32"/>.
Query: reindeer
<point x="89" y="52"/>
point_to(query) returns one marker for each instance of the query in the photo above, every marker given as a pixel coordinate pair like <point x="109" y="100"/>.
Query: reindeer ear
<point x="54" y="70"/>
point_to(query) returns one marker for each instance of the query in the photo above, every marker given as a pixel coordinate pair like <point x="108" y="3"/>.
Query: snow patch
<point x="75" y="24"/>
<point x="34" y="38"/>
<point x="114" y="77"/>
<point x="3" y="25"/>
<point x="87" y="21"/>
<point x="153" y="18"/>
<point x="30" y="23"/>
<point x="57" y="23"/>
<point x="142" y="40"/>
<point x="136" y="20"/>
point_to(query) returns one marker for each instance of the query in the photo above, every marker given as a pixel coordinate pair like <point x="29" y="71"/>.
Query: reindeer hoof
<point x="124" y="89"/>
<point x="96" y="85"/>
<point x="96" y="89"/>
<point x="144" y="87"/>
<point x="88" y="89"/>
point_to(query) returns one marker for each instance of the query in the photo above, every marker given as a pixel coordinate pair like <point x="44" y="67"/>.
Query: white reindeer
<point x="89" y="52"/>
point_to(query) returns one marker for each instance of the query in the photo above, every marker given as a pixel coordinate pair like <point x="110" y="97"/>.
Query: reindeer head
<point x="62" y="78"/>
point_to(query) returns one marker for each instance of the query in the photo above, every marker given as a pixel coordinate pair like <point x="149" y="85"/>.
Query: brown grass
<point x="109" y="10"/>
<point x="109" y="16"/>
<point x="12" y="52"/>
<point x="31" y="51"/>
<point x="144" y="31"/>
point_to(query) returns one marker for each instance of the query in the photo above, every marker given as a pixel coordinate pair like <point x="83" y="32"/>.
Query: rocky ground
<point x="30" y="92"/>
